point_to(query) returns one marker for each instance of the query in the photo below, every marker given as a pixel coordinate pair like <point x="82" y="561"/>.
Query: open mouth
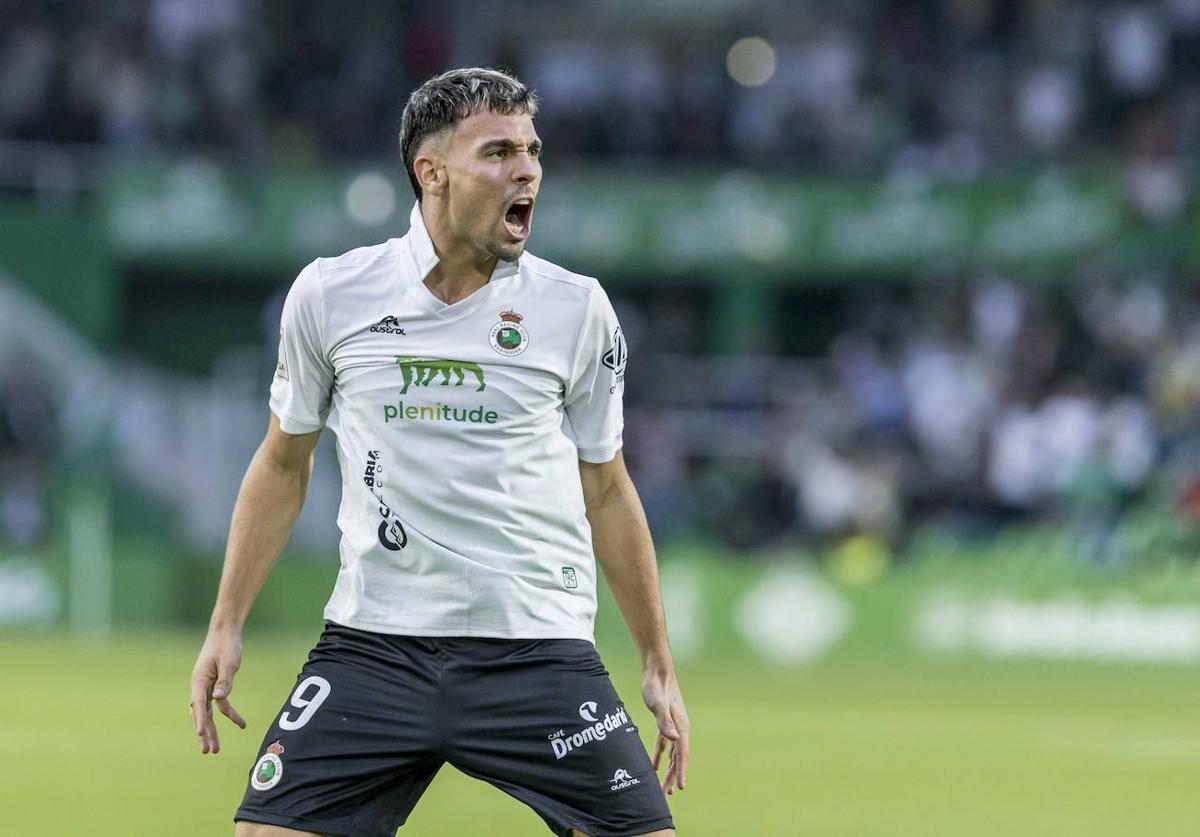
<point x="518" y="216"/>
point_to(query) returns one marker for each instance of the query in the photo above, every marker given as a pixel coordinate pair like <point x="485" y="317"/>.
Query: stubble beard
<point x="505" y="252"/>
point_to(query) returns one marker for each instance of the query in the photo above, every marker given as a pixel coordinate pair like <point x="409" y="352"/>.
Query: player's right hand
<point x="212" y="679"/>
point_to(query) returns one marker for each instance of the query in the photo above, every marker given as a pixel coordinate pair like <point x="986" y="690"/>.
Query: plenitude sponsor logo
<point x="438" y="412"/>
<point x="563" y="743"/>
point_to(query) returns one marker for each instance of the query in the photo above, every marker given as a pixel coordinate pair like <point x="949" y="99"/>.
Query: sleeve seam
<point x="283" y="416"/>
<point x="603" y="446"/>
<point x="583" y="321"/>
<point x="321" y="323"/>
<point x="599" y="455"/>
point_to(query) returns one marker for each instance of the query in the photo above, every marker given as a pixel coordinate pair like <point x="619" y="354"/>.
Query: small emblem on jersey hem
<point x="267" y="773"/>
<point x="570" y="580"/>
<point x="508" y="337"/>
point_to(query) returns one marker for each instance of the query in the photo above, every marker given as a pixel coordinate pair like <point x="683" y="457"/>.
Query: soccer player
<point x="475" y="392"/>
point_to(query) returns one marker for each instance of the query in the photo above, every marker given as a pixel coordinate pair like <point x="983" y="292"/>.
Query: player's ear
<point x="430" y="174"/>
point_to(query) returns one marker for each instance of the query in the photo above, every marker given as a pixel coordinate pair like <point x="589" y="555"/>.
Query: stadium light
<point x="370" y="199"/>
<point x="751" y="62"/>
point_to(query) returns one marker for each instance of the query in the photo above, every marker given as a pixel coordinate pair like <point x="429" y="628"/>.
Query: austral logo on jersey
<point x="563" y="743"/>
<point x="508" y="337"/>
<point x="388" y="325"/>
<point x="615" y="359"/>
<point x="391" y="531"/>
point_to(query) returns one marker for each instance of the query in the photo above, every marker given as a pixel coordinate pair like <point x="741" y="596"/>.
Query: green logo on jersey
<point x="420" y="371"/>
<point x="508" y="338"/>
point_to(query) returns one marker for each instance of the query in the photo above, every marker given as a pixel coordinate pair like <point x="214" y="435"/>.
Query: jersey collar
<point x="425" y="258"/>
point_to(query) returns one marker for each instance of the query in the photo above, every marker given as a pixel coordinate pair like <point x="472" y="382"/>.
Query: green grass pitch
<point x="95" y="740"/>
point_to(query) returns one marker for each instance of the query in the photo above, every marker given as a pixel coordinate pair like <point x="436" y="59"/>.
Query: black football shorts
<point x="372" y="718"/>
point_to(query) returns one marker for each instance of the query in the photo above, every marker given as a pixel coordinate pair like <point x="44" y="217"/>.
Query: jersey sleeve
<point x="302" y="388"/>
<point x="594" y="395"/>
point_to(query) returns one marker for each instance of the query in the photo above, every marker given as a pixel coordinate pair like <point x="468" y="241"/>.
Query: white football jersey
<point x="458" y="432"/>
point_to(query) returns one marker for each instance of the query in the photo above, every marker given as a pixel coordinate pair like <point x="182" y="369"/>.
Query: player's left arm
<point x="625" y="552"/>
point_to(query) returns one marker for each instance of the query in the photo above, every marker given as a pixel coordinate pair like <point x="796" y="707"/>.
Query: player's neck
<point x="460" y="270"/>
<point x="453" y="279"/>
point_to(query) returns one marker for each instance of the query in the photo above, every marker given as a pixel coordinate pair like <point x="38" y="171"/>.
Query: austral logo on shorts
<point x="563" y="743"/>
<point x="388" y="325"/>
<point x="621" y="780"/>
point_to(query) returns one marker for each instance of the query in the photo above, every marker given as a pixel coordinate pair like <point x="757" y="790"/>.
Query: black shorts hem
<point x="630" y="831"/>
<point x="336" y="827"/>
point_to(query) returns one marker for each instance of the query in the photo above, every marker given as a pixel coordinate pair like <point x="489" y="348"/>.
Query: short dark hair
<point x="451" y="97"/>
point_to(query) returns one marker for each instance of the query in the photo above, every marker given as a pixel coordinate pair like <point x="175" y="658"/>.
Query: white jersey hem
<point x="401" y="630"/>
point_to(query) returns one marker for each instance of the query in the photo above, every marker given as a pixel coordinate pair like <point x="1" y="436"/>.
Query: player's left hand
<point x="663" y="698"/>
<point x="212" y="680"/>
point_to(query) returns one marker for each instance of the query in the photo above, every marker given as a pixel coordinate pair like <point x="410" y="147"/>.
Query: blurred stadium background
<point x="910" y="291"/>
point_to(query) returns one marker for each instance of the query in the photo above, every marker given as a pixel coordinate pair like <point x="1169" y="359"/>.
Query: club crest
<point x="508" y="337"/>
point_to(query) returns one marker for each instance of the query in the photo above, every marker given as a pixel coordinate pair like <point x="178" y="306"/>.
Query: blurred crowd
<point x="948" y="86"/>
<point x="966" y="405"/>
<point x="969" y="403"/>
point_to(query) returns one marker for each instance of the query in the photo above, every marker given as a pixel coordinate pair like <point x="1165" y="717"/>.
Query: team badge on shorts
<point x="508" y="337"/>
<point x="269" y="769"/>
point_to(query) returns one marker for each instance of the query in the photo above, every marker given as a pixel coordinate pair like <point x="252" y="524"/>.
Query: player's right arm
<point x="268" y="504"/>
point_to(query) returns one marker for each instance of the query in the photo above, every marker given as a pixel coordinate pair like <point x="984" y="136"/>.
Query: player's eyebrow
<point x="509" y="145"/>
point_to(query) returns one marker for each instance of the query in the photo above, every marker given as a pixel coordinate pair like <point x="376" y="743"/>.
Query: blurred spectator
<point x="28" y="446"/>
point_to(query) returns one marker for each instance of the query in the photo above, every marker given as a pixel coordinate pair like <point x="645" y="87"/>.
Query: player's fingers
<point x="666" y="724"/>
<point x="229" y="712"/>
<point x="198" y="698"/>
<point x="202" y="718"/>
<point x="199" y="708"/>
<point x="224" y="684"/>
<point x="678" y="766"/>
<point x="682" y="751"/>
<point x="660" y="744"/>
<point x="207" y="736"/>
<point x="668" y="782"/>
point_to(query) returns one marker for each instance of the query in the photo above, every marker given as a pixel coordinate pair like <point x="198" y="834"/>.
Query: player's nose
<point x="527" y="169"/>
